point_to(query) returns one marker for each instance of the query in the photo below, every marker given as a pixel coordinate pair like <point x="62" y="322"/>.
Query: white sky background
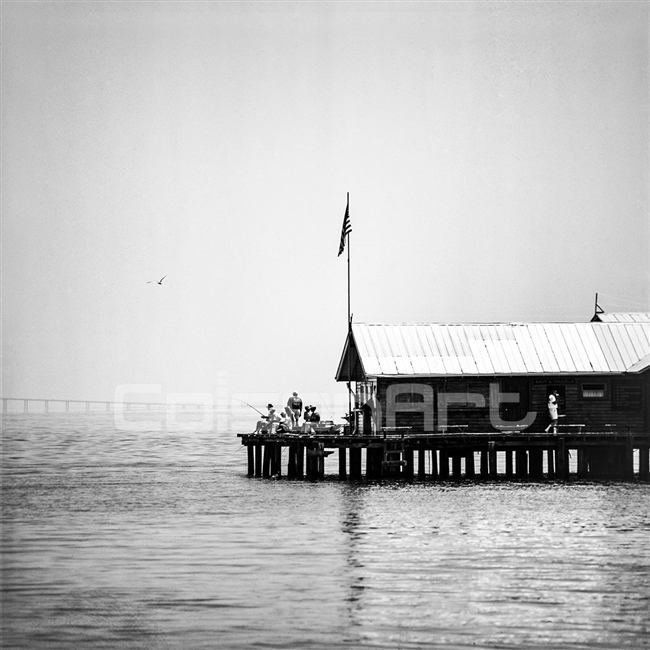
<point x="496" y="156"/>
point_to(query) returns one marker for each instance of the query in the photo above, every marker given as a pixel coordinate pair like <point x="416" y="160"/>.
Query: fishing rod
<point x="326" y="406"/>
<point x="247" y="404"/>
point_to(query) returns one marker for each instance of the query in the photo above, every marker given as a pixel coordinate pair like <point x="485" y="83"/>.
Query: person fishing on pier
<point x="267" y="423"/>
<point x="314" y="415"/>
<point x="285" y="425"/>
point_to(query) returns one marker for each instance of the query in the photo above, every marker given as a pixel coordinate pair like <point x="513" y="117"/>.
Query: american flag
<point x="347" y="227"/>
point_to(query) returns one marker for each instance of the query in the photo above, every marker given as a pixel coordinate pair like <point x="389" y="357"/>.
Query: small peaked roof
<point x="622" y="317"/>
<point x="435" y="349"/>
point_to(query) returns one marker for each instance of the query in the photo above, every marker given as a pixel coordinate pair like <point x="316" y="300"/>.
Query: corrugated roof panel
<point x="431" y="341"/>
<point x="529" y="355"/>
<point x="434" y="358"/>
<point x="420" y="333"/>
<point x="418" y="355"/>
<point x="511" y="350"/>
<point x="494" y="346"/>
<point x="366" y="350"/>
<point x="441" y="347"/>
<point x="639" y="337"/>
<point x="559" y="348"/>
<point x="453" y="361"/>
<point x="625" y="348"/>
<point x="625" y="317"/>
<point x="461" y="344"/>
<point x="489" y="349"/>
<point x="576" y="347"/>
<point x="487" y="337"/>
<point x="382" y="350"/>
<point x="640" y="365"/>
<point x="592" y="347"/>
<point x="400" y="355"/>
<point x="543" y="348"/>
<point x="608" y="348"/>
<point x="477" y="346"/>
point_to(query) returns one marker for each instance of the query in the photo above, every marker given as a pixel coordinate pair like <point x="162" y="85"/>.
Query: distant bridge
<point x="26" y="401"/>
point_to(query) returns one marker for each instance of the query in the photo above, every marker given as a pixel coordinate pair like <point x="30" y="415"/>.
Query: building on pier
<point x="497" y="377"/>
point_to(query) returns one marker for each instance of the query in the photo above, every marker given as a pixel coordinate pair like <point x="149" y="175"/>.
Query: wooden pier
<point x="449" y="456"/>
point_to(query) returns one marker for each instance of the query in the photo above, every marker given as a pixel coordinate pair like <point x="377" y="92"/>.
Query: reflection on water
<point x="157" y="539"/>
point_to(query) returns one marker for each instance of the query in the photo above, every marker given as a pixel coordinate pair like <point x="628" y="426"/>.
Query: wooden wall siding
<point x="597" y="414"/>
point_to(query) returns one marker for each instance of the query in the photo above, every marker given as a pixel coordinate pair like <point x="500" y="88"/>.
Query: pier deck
<point x="442" y="456"/>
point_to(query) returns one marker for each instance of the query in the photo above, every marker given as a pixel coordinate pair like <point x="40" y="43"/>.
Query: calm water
<point x="157" y="539"/>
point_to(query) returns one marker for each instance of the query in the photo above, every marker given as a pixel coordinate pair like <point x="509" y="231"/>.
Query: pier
<point x="450" y="456"/>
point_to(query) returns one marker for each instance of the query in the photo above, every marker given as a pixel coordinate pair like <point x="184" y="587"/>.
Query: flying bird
<point x="157" y="281"/>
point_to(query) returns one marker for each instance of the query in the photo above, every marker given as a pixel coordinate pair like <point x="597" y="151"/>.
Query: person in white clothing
<point x="552" y="411"/>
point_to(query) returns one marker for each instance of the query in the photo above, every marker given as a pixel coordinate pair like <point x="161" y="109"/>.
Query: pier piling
<point x="599" y="456"/>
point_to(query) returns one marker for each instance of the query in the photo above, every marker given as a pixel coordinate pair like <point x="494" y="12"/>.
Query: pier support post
<point x="583" y="462"/>
<point x="277" y="465"/>
<point x="522" y="463"/>
<point x="409" y="468"/>
<point x="291" y="463"/>
<point x="355" y="462"/>
<point x="266" y="466"/>
<point x="444" y="464"/>
<point x="536" y="462"/>
<point x="251" y="460"/>
<point x="492" y="459"/>
<point x="561" y="460"/>
<point x="484" y="464"/>
<point x="550" y="457"/>
<point x="320" y="460"/>
<point x="258" y="460"/>
<point x="629" y="458"/>
<point x="470" y="470"/>
<point x="300" y="460"/>
<point x="342" y="462"/>
<point x="509" y="463"/>
<point x="456" y="465"/>
<point x="25" y="406"/>
<point x="311" y="465"/>
<point x="47" y="405"/>
<point x="422" y="468"/>
<point x="374" y="459"/>
<point x="434" y="464"/>
<point x="644" y="463"/>
<point x="274" y="459"/>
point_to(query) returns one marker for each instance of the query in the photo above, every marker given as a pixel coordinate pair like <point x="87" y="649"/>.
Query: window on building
<point x="409" y="397"/>
<point x="593" y="391"/>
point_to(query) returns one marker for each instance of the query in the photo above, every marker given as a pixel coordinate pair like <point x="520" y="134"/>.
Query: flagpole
<point x="349" y="331"/>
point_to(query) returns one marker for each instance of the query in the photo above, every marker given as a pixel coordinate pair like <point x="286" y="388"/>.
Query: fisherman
<point x="285" y="424"/>
<point x="294" y="408"/>
<point x="306" y="427"/>
<point x="265" y="425"/>
<point x="314" y="416"/>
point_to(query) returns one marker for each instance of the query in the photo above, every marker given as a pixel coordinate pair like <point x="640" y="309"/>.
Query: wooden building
<point x="497" y="377"/>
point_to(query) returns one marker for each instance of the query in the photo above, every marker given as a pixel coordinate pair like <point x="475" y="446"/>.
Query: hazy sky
<point x="496" y="156"/>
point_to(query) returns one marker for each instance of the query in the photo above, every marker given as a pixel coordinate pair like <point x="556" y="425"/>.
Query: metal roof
<point x="497" y="349"/>
<point x="623" y="317"/>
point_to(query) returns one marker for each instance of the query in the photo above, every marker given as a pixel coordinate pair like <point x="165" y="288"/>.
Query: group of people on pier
<point x="288" y="420"/>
